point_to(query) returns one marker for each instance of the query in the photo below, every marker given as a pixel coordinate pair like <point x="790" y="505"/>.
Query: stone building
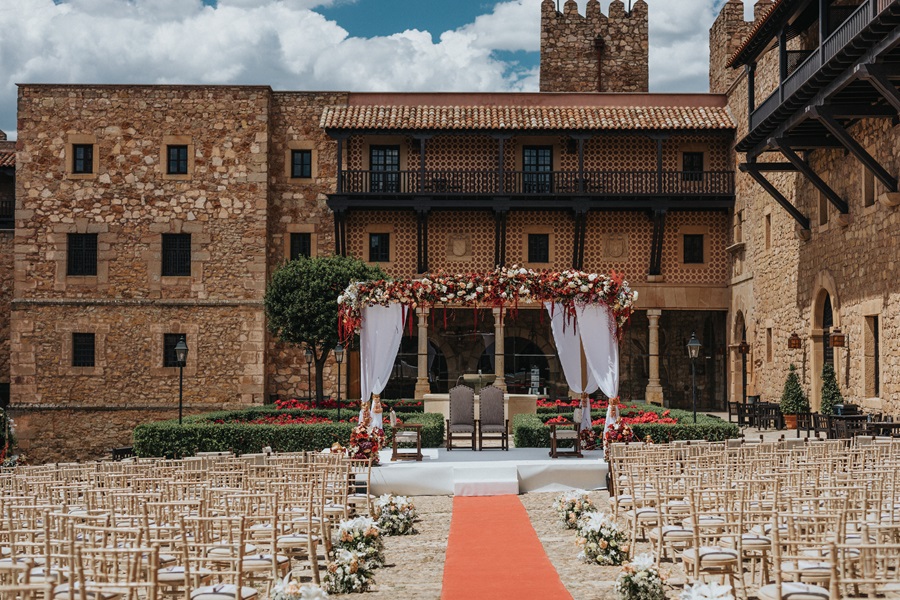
<point x="812" y="87"/>
<point x="7" y="230"/>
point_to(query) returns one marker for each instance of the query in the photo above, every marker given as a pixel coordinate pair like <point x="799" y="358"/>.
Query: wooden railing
<point x="537" y="183"/>
<point x="800" y="74"/>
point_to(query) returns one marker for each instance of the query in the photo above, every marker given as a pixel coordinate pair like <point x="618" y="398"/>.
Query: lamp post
<point x="744" y="349"/>
<point x="181" y="352"/>
<point x="308" y="355"/>
<point x="339" y="358"/>
<point x="693" y="347"/>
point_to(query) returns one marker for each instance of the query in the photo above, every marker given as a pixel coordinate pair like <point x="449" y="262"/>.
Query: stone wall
<point x="782" y="281"/>
<point x="594" y="52"/>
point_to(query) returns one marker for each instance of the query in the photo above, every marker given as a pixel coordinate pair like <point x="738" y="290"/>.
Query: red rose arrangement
<point x="365" y="443"/>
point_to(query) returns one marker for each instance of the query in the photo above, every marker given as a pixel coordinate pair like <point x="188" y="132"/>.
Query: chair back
<point x="491" y="405"/>
<point x="462" y="405"/>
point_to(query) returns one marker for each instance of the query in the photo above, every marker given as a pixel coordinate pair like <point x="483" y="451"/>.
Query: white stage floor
<point x="489" y="472"/>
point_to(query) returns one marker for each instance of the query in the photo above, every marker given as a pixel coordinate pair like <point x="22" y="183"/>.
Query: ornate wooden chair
<point x="462" y="415"/>
<point x="491" y="423"/>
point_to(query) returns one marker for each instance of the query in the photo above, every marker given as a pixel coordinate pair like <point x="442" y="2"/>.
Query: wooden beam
<point x="774" y="166"/>
<point x="811" y="141"/>
<point x="860" y="111"/>
<point x="813" y="177"/>
<point x="877" y="78"/>
<point x="822" y="114"/>
<point x="798" y="216"/>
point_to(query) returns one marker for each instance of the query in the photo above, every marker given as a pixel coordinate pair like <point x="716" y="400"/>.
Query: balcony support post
<point x="581" y="138"/>
<point x="422" y="239"/>
<point x="340" y="232"/>
<point x="422" y="140"/>
<point x="823" y="21"/>
<point x="751" y="170"/>
<point x="500" y="213"/>
<point x="580" y="218"/>
<point x="824" y="116"/>
<point x="501" y="143"/>
<point x="656" y="245"/>
<point x="877" y="78"/>
<point x="782" y="63"/>
<point x="803" y="166"/>
<point x="751" y="88"/>
<point x="340" y="161"/>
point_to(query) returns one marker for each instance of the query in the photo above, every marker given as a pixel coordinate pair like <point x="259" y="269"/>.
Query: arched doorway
<point x="740" y="363"/>
<point x="825" y="318"/>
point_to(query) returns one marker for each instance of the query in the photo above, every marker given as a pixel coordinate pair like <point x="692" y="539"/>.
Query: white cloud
<point x="286" y="44"/>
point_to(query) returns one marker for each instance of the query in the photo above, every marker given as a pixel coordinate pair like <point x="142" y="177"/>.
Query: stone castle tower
<point x="594" y="52"/>
<point x="725" y="37"/>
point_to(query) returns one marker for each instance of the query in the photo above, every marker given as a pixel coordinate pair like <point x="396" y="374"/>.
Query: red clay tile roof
<point x="752" y="34"/>
<point x="553" y="118"/>
<point x="7" y="159"/>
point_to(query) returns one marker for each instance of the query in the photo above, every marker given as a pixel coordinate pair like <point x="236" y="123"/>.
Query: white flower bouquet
<point x="290" y="589"/>
<point x="362" y="536"/>
<point x="570" y="506"/>
<point x="347" y="574"/>
<point x="395" y="514"/>
<point x="640" y="580"/>
<point x="601" y="540"/>
<point x="707" y="591"/>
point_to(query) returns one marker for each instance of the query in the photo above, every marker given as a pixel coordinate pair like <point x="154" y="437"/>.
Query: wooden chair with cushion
<point x="462" y="415"/>
<point x="492" y="423"/>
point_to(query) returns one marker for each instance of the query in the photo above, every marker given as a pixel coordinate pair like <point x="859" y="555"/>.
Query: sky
<point x="354" y="45"/>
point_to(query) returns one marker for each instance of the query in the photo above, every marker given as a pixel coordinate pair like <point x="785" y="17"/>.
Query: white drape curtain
<point x="567" y="337"/>
<point x="380" y="333"/>
<point x="601" y="349"/>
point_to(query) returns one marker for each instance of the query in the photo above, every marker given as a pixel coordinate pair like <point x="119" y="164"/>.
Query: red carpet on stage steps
<point x="494" y="553"/>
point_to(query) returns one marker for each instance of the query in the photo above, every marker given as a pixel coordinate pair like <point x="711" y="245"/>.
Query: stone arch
<point x="738" y="333"/>
<point x="825" y="291"/>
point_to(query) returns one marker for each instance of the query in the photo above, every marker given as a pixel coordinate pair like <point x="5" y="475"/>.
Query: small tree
<point x="831" y="393"/>
<point x="301" y="303"/>
<point x="793" y="400"/>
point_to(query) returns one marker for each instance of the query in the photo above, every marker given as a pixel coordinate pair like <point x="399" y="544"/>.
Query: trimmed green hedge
<point x="201" y="433"/>
<point x="529" y="431"/>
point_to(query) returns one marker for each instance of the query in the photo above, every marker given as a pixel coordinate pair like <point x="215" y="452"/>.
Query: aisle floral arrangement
<point x="362" y="536"/>
<point x="571" y="506"/>
<point x="617" y="432"/>
<point x="504" y="286"/>
<point x="707" y="591"/>
<point x="294" y="590"/>
<point x="395" y="515"/>
<point x="365" y="443"/>
<point x="601" y="539"/>
<point x="348" y="573"/>
<point x="640" y="580"/>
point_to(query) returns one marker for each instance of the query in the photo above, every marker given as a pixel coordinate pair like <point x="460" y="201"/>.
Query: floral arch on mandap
<point x="589" y="312"/>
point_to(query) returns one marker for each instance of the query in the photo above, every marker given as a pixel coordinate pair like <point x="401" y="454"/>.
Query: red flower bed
<point x="294" y="404"/>
<point x="560" y="420"/>
<point x="286" y="419"/>
<point x="642" y="417"/>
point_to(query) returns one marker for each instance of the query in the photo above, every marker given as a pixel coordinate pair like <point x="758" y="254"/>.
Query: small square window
<point x="170" y="340"/>
<point x="301" y="164"/>
<point x="539" y="247"/>
<point x="83" y="349"/>
<point x="301" y="245"/>
<point x="176" y="255"/>
<point x="82" y="255"/>
<point x="693" y="249"/>
<point x="379" y="247"/>
<point x="692" y="166"/>
<point x="82" y="158"/>
<point x="177" y="159"/>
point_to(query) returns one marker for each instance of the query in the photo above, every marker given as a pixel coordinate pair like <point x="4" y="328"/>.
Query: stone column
<point x="422" y="386"/>
<point x="499" y="357"/>
<point x="654" y="389"/>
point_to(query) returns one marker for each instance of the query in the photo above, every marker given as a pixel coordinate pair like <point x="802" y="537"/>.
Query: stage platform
<point x="490" y="472"/>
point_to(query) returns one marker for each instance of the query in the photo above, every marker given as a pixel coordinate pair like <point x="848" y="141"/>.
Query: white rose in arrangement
<point x="707" y="591"/>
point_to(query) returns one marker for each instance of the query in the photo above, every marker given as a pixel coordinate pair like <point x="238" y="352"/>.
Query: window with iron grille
<point x="82" y="158"/>
<point x="538" y="247"/>
<point x="301" y="245"/>
<point x="83" y="349"/>
<point x="693" y="249"/>
<point x="82" y="255"/>
<point x="177" y="160"/>
<point x="170" y="340"/>
<point x="176" y="255"/>
<point x="537" y="164"/>
<point x="379" y="247"/>
<point x="692" y="166"/>
<point x="384" y="164"/>
<point x="301" y="164"/>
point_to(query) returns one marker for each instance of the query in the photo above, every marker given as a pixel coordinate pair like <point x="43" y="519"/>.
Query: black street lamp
<point x="308" y="355"/>
<point x="744" y="349"/>
<point x="693" y="347"/>
<point x="339" y="358"/>
<point x="181" y="352"/>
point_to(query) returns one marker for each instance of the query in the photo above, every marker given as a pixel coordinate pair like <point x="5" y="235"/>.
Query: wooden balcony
<point x="589" y="184"/>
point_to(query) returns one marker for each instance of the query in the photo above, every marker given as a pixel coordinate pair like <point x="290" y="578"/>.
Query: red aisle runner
<point x="494" y="553"/>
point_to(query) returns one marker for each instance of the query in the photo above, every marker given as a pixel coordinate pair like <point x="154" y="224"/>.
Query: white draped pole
<point x="567" y="337"/>
<point x="381" y="330"/>
<point x="601" y="349"/>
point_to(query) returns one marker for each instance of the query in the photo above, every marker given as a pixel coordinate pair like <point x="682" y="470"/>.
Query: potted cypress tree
<point x="793" y="400"/>
<point x="831" y="393"/>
